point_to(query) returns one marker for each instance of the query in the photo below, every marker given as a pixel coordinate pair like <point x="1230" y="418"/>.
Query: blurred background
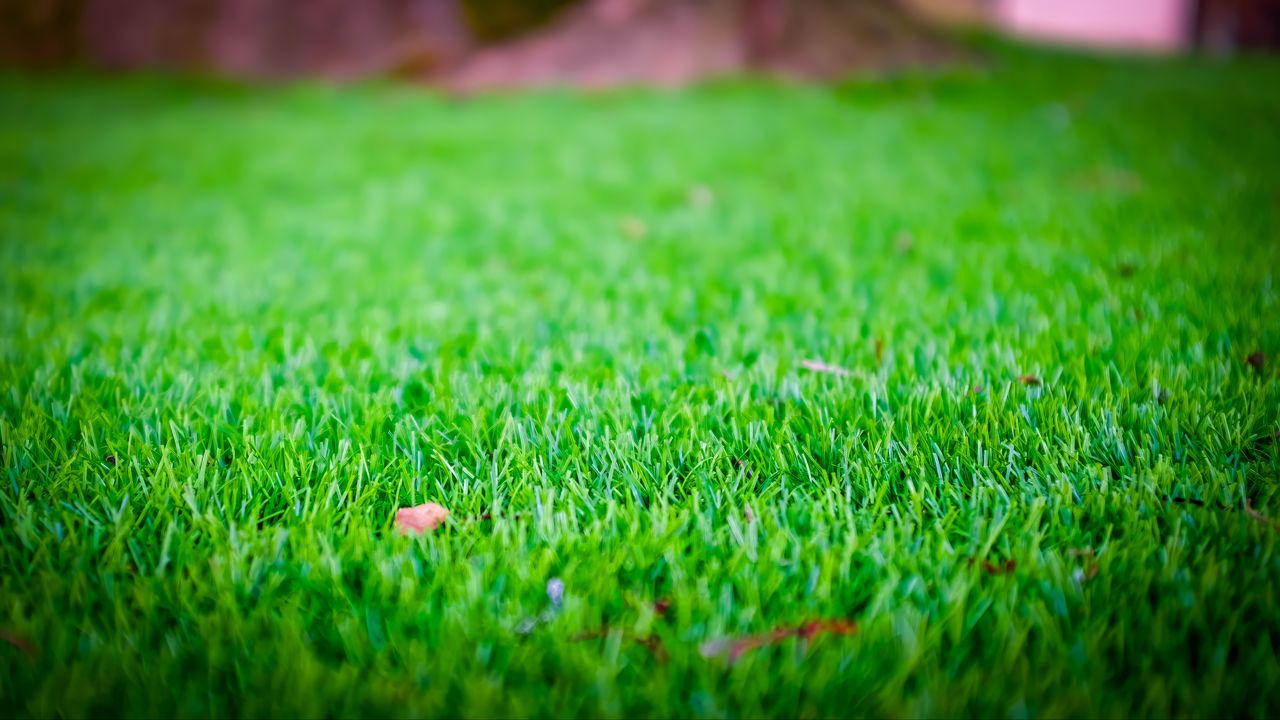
<point x="476" y="44"/>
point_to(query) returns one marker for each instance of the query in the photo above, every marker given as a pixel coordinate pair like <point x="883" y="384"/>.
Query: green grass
<point x="285" y="313"/>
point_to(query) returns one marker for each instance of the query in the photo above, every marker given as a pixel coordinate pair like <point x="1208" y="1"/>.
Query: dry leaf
<point x="991" y="569"/>
<point x="1110" y="178"/>
<point x="420" y="518"/>
<point x="652" y="643"/>
<point x="879" y="350"/>
<point x="662" y="607"/>
<point x="1030" y="380"/>
<point x="995" y="568"/>
<point x="821" y="367"/>
<point x="1084" y="552"/>
<point x="21" y="643"/>
<point x="633" y="228"/>
<point x="747" y="515"/>
<point x="1248" y="508"/>
<point x="731" y="649"/>
<point x="1256" y="360"/>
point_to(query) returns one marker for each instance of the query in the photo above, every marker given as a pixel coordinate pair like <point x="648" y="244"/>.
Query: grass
<point x="242" y="326"/>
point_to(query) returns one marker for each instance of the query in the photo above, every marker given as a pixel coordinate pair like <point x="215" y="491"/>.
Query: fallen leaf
<point x="1256" y="360"/>
<point x="662" y="607"/>
<point x="1084" y="552"/>
<point x="110" y="459"/>
<point x="1126" y="269"/>
<point x="1030" y="380"/>
<point x="995" y="569"/>
<point x="747" y="515"/>
<point x="1251" y="512"/>
<point x="633" y="228"/>
<point x="652" y="643"/>
<point x="879" y="350"/>
<point x="420" y="518"/>
<point x="731" y="649"/>
<point x="1112" y="179"/>
<point x="821" y="367"/>
<point x="21" y="643"/>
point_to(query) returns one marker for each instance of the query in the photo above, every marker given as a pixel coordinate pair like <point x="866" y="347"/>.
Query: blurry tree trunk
<point x="1224" y="26"/>
<point x="674" y="42"/>
<point x="763" y="24"/>
<point x="475" y="44"/>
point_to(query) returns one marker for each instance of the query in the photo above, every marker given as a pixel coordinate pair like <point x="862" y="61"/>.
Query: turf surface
<point x="241" y="327"/>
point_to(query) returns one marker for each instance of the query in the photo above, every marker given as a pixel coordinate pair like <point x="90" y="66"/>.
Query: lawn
<point x="983" y="361"/>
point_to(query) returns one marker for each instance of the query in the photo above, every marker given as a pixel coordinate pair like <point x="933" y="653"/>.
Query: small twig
<point x="731" y="649"/>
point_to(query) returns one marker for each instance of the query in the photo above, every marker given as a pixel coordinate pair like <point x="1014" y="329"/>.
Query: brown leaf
<point x="1084" y="552"/>
<point x="1251" y="512"/>
<point x="1256" y="360"/>
<point x="821" y="367"/>
<point x="652" y="643"/>
<point x="420" y="518"/>
<point x="1126" y="269"/>
<point x="879" y="350"/>
<point x="633" y="228"/>
<point x="21" y="643"/>
<point x="110" y="459"/>
<point x="1110" y="179"/>
<point x="996" y="569"/>
<point x="747" y="515"/>
<point x="731" y="649"/>
<point x="662" y="607"/>
<point x="1030" y="380"/>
